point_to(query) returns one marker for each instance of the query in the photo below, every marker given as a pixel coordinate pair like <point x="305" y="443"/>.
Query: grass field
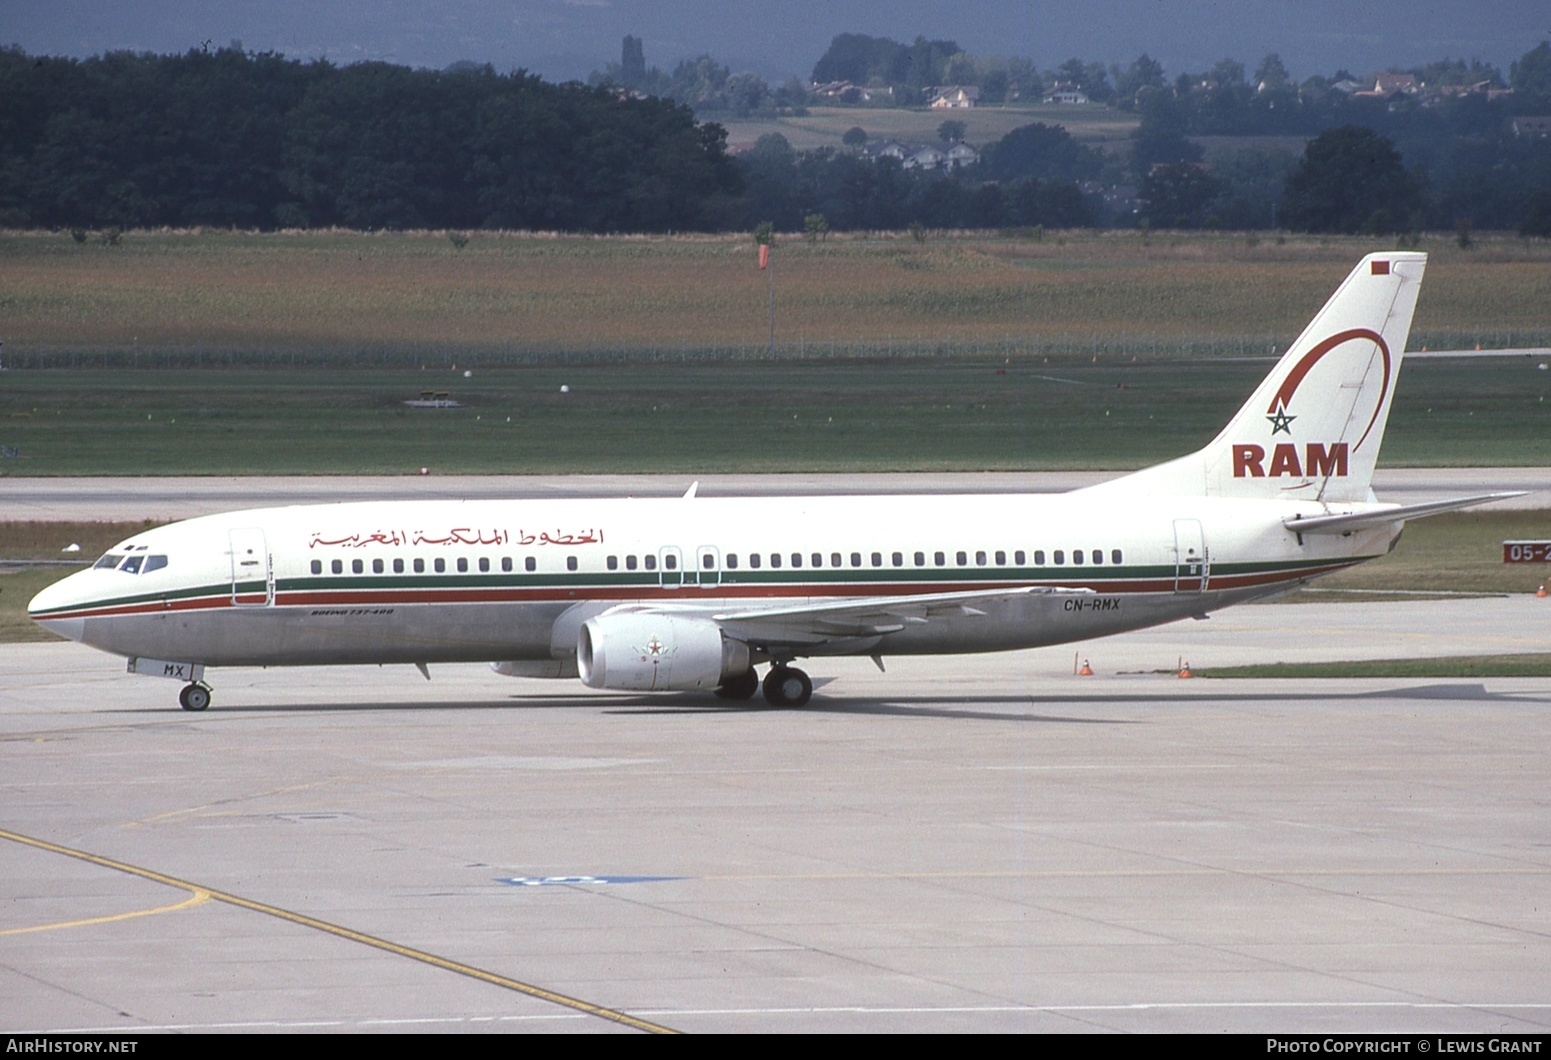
<point x="184" y="299"/>
<point x="825" y="126"/>
<point x="917" y="414"/>
<point x="1531" y="665"/>
<point x="231" y="353"/>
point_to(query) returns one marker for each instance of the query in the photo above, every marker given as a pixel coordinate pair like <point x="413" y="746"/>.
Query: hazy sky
<point x="562" y="39"/>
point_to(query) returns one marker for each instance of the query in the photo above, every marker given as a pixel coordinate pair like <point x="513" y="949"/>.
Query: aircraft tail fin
<point x="1312" y="429"/>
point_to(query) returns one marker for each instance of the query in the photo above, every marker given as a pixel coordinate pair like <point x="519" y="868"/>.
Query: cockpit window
<point x="153" y="563"/>
<point x="132" y="565"/>
<point x="108" y="562"/>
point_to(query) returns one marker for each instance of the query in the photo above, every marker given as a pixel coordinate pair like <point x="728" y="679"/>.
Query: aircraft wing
<point x="1346" y="523"/>
<point x="873" y="616"/>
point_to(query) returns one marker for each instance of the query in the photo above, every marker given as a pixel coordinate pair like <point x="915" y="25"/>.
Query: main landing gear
<point x="741" y="687"/>
<point x="195" y="696"/>
<point x="787" y="686"/>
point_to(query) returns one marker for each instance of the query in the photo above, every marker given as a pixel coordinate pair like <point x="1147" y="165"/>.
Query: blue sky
<point x="562" y="39"/>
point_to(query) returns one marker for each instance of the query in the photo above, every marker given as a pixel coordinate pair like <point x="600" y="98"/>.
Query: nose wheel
<point x="787" y="686"/>
<point x="194" y="697"/>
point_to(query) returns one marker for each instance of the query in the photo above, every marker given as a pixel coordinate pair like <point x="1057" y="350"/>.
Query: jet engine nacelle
<point x="657" y="652"/>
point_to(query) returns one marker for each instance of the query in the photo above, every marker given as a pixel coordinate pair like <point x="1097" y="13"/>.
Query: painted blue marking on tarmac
<point x="562" y="881"/>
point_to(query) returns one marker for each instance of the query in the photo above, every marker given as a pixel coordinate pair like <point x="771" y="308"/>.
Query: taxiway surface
<point x="986" y="844"/>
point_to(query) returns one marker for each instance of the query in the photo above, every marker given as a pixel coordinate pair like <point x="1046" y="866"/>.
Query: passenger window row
<point x="670" y="561"/>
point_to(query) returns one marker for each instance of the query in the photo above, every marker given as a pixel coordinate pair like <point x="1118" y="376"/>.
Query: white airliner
<point x="693" y="593"/>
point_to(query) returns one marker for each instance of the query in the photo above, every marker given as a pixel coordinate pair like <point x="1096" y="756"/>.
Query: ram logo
<point x="1249" y="461"/>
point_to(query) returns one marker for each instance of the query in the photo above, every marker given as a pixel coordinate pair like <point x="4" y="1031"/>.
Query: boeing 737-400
<point x="695" y="593"/>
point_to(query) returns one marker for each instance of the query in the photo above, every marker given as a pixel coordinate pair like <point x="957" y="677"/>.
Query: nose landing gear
<point x="195" y="696"/>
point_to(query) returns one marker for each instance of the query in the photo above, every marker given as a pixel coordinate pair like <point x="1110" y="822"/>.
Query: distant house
<point x="925" y="158"/>
<point x="1388" y="86"/>
<point x="1066" y="92"/>
<point x="847" y="92"/>
<point x="961" y="154"/>
<point x="886" y="149"/>
<point x="1528" y="128"/>
<point x="955" y="97"/>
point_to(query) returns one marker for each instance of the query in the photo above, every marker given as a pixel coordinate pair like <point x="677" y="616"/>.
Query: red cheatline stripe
<point x="688" y="593"/>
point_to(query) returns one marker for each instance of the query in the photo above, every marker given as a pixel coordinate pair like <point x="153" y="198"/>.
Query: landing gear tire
<point x="741" y="687"/>
<point x="787" y="686"/>
<point x="194" y="697"/>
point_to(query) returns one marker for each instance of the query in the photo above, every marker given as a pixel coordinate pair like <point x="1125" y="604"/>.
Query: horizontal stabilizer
<point x="1343" y="524"/>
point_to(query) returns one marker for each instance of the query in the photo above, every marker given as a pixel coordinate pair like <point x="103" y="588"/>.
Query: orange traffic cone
<point x="1541" y="591"/>
<point x="1184" y="670"/>
<point x="1086" y="671"/>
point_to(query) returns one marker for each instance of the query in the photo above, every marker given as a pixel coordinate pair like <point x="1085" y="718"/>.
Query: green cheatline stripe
<point x="346" y="933"/>
<point x="605" y="581"/>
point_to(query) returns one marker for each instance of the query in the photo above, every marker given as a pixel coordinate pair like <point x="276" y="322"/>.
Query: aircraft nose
<point x="51" y="609"/>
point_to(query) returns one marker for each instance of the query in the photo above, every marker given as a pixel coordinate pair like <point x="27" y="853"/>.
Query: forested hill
<point x="260" y="141"/>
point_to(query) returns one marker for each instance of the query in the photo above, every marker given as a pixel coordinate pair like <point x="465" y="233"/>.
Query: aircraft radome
<point x="694" y="593"/>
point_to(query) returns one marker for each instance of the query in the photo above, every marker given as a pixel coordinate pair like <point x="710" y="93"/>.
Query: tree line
<point x="233" y="139"/>
<point x="227" y="138"/>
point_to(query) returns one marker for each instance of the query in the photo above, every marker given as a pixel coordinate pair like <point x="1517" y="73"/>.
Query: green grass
<point x="1531" y="665"/>
<point x="237" y="353"/>
<point x="929" y="413"/>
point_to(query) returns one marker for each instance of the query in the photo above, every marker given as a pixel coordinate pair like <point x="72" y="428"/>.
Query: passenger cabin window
<point x="961" y="558"/>
<point x="650" y="562"/>
<point x="1001" y="559"/>
<point x="898" y="559"/>
<point x="708" y="561"/>
<point x="834" y="559"/>
<point x="1076" y="556"/>
<point x="612" y="563"/>
<point x="484" y="564"/>
<point x="377" y="566"/>
<point x="669" y="562"/>
<point x="1018" y="557"/>
<point x="1098" y="555"/>
<point x="529" y="564"/>
<point x="1039" y="557"/>
<point x="732" y="561"/>
<point x="818" y="559"/>
<point x="940" y="559"/>
<point x="506" y="564"/>
<point x="980" y="559"/>
<point x="1060" y="558"/>
<point x="1115" y="557"/>
<point x="338" y="566"/>
<point x="398" y="566"/>
<point x="877" y="559"/>
<point x="317" y="566"/>
<point x="570" y="563"/>
<point x="630" y="563"/>
<point x="797" y="559"/>
<point x="357" y="566"/>
<point x="754" y="560"/>
<point x="463" y="565"/>
<point x="439" y="565"/>
<point x="419" y="566"/>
